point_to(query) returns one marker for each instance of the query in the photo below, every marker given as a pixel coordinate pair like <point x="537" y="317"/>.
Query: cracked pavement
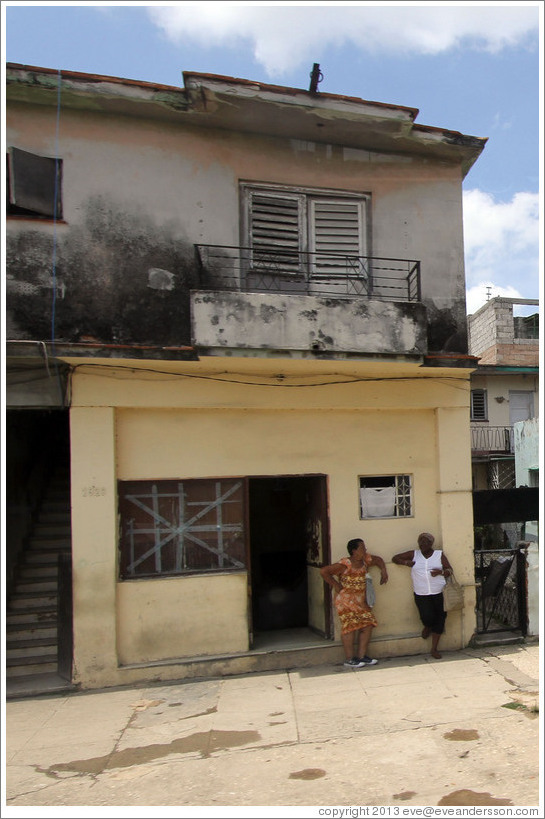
<point x="460" y="731"/>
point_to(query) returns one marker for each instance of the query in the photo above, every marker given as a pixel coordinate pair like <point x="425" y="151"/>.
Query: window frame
<point x="404" y="493"/>
<point x="24" y="200"/>
<point x="307" y="198"/>
<point x="528" y="395"/>
<point x="164" y="519"/>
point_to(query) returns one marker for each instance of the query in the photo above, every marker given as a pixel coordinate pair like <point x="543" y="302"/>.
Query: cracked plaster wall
<point x="223" y="320"/>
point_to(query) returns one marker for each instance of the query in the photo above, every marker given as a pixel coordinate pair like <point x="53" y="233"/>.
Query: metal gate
<point x="499" y="520"/>
<point x="501" y="584"/>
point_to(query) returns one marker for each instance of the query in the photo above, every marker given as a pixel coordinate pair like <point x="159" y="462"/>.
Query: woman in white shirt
<point x="429" y="567"/>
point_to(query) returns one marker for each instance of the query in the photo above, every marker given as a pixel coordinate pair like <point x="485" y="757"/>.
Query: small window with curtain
<point x="479" y="405"/>
<point x="34" y="185"/>
<point x="385" y="496"/>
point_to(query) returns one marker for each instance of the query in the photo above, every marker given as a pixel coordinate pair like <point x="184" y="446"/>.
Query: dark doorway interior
<point x="38" y="552"/>
<point x="37" y="446"/>
<point x="280" y="510"/>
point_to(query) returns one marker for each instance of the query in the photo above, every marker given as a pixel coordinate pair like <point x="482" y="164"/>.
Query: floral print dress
<point x="353" y="611"/>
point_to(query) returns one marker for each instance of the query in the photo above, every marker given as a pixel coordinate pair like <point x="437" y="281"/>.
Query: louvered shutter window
<point x="479" y="408"/>
<point x="276" y="231"/>
<point x="337" y="237"/>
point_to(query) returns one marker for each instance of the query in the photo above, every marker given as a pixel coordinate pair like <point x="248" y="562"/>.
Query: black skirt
<point x="432" y="613"/>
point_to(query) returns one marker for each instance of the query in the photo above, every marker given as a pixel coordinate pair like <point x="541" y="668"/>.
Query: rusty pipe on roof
<point x="316" y="78"/>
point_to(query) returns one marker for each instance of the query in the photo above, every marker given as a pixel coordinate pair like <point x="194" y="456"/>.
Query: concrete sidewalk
<point x="463" y="730"/>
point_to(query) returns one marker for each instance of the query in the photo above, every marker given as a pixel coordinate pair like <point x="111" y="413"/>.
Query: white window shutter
<point x="521" y="406"/>
<point x="337" y="235"/>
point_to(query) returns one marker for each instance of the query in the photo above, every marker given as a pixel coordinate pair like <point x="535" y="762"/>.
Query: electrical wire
<point x="280" y="378"/>
<point x="55" y="200"/>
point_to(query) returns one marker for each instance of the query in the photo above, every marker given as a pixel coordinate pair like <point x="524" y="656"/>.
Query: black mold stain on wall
<point x="104" y="288"/>
<point x="121" y="279"/>
<point x="447" y="331"/>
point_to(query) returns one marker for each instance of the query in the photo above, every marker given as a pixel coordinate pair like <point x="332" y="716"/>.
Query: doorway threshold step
<point x="497" y="638"/>
<point x="328" y="653"/>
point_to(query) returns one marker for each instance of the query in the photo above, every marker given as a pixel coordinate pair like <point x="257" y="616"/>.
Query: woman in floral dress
<point x="348" y="579"/>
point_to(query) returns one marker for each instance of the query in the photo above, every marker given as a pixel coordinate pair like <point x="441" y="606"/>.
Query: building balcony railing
<point x="332" y="274"/>
<point x="492" y="440"/>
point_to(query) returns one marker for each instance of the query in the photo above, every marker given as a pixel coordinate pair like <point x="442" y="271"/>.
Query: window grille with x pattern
<point x="176" y="527"/>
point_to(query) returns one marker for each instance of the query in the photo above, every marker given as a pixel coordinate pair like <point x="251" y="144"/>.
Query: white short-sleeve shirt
<point x="423" y="582"/>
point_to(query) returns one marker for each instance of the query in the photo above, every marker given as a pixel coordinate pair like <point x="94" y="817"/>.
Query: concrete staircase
<point x="31" y="616"/>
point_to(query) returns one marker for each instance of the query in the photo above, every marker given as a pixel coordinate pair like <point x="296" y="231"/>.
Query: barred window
<point x="385" y="496"/>
<point x="180" y="527"/>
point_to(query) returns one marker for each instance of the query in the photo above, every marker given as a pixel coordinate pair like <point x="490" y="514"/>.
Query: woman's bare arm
<point x="332" y="573"/>
<point x="378" y="561"/>
<point x="404" y="558"/>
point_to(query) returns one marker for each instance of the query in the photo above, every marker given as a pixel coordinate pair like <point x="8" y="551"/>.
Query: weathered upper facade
<point x="250" y="300"/>
<point x="232" y="170"/>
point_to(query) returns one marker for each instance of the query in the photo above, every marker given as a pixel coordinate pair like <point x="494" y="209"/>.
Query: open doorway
<point x="289" y="541"/>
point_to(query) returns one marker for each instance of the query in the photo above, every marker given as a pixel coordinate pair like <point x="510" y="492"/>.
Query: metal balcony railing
<point x="492" y="439"/>
<point x="335" y="274"/>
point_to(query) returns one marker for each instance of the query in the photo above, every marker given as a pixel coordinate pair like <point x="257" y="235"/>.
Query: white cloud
<point x="500" y="124"/>
<point x="479" y="294"/>
<point x="501" y="246"/>
<point x="284" y="36"/>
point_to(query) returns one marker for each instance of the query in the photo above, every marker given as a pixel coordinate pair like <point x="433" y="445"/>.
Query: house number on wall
<point x="93" y="491"/>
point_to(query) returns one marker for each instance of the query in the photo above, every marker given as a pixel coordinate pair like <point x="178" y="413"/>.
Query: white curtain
<point x="378" y="503"/>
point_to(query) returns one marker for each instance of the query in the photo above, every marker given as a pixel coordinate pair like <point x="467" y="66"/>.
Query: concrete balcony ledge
<point x="258" y="322"/>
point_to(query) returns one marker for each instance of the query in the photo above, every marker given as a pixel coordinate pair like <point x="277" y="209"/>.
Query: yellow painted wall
<point x="317" y="613"/>
<point x="94" y="564"/>
<point x="181" y="617"/>
<point x="211" y="429"/>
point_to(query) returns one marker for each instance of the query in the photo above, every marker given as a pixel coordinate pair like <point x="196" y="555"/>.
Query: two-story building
<point x="240" y="309"/>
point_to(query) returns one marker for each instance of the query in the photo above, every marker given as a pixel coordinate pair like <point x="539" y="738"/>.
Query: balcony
<point x="486" y="440"/>
<point x="283" y="302"/>
<point x="243" y="270"/>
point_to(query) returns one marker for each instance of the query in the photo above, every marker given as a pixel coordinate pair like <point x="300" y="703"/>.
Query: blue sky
<point x="469" y="67"/>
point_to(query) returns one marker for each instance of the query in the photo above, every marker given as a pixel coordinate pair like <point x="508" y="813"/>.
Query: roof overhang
<point x="228" y="103"/>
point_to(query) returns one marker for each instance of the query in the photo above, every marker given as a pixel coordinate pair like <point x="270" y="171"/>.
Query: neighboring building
<point x="505" y="437"/>
<point x="248" y="301"/>
<point x="526" y="444"/>
<point x="504" y="387"/>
